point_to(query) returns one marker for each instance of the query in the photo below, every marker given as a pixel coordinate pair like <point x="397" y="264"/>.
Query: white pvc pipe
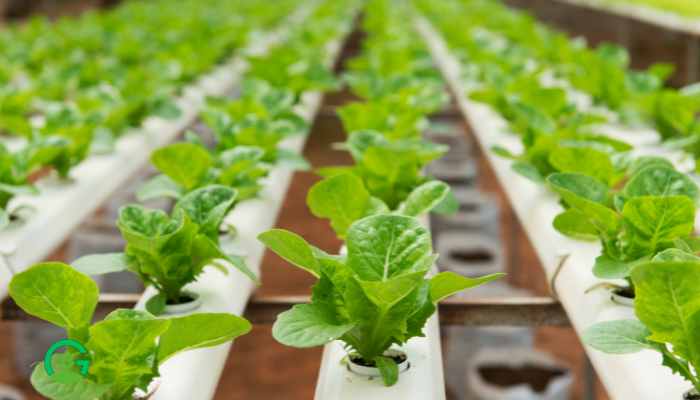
<point x="636" y="376"/>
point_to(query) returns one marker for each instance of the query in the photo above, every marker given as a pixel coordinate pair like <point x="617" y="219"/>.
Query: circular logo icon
<point x="67" y="343"/>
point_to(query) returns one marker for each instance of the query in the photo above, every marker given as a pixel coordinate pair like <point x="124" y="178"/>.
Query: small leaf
<point x="198" y="331"/>
<point x="156" y="304"/>
<point x="157" y="187"/>
<point x="388" y="369"/>
<point x="98" y="264"/>
<point x="292" y="248"/>
<point x="529" y="171"/>
<point x="575" y="224"/>
<point x="503" y="152"/>
<point x="341" y="198"/>
<point x="608" y="268"/>
<point x="618" y="337"/>
<point x="306" y="326"/>
<point x="185" y="163"/>
<point x="447" y="283"/>
<point x="424" y="198"/>
<point x="448" y="206"/>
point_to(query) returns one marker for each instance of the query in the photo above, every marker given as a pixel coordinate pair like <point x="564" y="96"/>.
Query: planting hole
<point x="184" y="299"/>
<point x="356" y="359"/>
<point x="468" y="207"/>
<point x="472" y="256"/>
<point x="535" y="376"/>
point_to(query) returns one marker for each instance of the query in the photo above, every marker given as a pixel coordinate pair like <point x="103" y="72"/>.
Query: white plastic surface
<point x="423" y="380"/>
<point x="637" y="376"/>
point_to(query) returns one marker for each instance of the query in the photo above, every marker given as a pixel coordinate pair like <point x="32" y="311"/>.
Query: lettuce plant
<point x="343" y="199"/>
<point x="668" y="307"/>
<point x="187" y="166"/>
<point x="170" y="251"/>
<point x="654" y="211"/>
<point x="124" y="351"/>
<point x="390" y="170"/>
<point x="376" y="296"/>
<point x="262" y="117"/>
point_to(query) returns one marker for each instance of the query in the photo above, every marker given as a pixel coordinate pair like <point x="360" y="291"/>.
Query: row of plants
<point x="380" y="290"/>
<point x="640" y="208"/>
<point x="69" y="88"/>
<point x="169" y="250"/>
<point x="519" y="44"/>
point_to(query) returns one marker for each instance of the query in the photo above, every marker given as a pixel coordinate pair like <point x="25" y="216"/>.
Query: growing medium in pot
<point x="376" y="296"/>
<point x="121" y="353"/>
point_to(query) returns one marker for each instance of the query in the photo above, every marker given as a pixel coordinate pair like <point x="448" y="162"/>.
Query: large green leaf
<point x="341" y="198"/>
<point x="667" y="295"/>
<point x="575" y="185"/>
<point x="67" y="383"/>
<point x="652" y="223"/>
<point x="660" y="181"/>
<point x="123" y="351"/>
<point x="305" y="325"/>
<point x="447" y="283"/>
<point x="185" y="163"/>
<point x="618" y="337"/>
<point x="198" y="331"/>
<point x="597" y="165"/>
<point x="384" y="246"/>
<point x="292" y="248"/>
<point x="57" y="293"/>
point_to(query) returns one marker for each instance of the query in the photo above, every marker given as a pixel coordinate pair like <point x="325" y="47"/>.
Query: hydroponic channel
<point x="375" y="199"/>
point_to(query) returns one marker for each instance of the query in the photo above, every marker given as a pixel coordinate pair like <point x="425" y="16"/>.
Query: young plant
<point x="343" y="199"/>
<point x="375" y="297"/>
<point x="170" y="251"/>
<point x="654" y="211"/>
<point x="261" y="117"/>
<point x="668" y="307"/>
<point x="187" y="166"/>
<point x="390" y="170"/>
<point x="123" y="352"/>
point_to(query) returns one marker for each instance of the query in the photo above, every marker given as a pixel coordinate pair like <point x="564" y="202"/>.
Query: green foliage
<point x="668" y="307"/>
<point x="170" y="251"/>
<point x="125" y="349"/>
<point x="376" y="296"/>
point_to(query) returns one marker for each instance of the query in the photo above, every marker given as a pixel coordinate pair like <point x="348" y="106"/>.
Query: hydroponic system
<point x="375" y="199"/>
